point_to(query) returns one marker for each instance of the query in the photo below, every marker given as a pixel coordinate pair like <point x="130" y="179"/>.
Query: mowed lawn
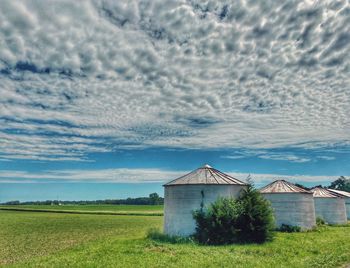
<point x="34" y="239"/>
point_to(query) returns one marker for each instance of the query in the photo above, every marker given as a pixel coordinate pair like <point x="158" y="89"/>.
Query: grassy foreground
<point x="33" y="239"/>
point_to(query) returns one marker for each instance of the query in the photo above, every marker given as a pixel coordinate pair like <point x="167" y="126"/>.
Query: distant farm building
<point x="199" y="188"/>
<point x="292" y="205"/>
<point x="346" y="196"/>
<point x="329" y="206"/>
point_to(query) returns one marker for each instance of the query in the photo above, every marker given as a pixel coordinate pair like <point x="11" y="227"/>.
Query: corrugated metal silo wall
<point x="347" y="206"/>
<point x="332" y="210"/>
<point x="295" y="209"/>
<point x="181" y="200"/>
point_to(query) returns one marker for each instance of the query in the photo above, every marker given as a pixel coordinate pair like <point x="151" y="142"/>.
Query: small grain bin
<point x="329" y="206"/>
<point x="182" y="196"/>
<point x="346" y="196"/>
<point x="291" y="204"/>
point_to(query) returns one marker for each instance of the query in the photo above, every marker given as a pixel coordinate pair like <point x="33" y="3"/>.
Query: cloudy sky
<point x="142" y="91"/>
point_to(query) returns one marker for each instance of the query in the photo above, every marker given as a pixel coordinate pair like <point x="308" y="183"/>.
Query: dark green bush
<point x="285" y="228"/>
<point x="248" y="219"/>
<point x="256" y="221"/>
<point x="320" y="221"/>
<point x="216" y="224"/>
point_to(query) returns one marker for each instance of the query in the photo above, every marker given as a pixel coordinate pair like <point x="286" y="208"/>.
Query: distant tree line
<point x="152" y="199"/>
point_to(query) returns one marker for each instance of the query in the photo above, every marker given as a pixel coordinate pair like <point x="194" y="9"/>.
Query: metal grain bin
<point x="329" y="206"/>
<point x="346" y="196"/>
<point x="186" y="194"/>
<point x="291" y="204"/>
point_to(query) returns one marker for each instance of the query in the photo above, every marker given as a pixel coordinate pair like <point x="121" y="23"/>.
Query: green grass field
<point x="93" y="209"/>
<point x="35" y="239"/>
<point x="157" y="208"/>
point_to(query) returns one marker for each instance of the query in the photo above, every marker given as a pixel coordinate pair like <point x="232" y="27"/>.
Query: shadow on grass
<point x="158" y="236"/>
<point x="340" y="225"/>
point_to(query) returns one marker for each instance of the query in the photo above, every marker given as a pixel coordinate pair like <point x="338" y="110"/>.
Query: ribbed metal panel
<point x="343" y="193"/>
<point x="321" y="192"/>
<point x="282" y="186"/>
<point x="346" y="196"/>
<point x="205" y="175"/>
<point x="295" y="209"/>
<point x="181" y="200"/>
<point x="186" y="194"/>
<point x="329" y="206"/>
<point x="291" y="204"/>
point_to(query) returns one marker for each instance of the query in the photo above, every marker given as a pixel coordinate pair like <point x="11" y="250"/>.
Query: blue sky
<point x="142" y="91"/>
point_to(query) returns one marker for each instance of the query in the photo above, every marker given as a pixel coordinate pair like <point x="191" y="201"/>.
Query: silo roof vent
<point x="206" y="166"/>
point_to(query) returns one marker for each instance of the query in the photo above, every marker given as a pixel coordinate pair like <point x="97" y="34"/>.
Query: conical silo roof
<point x="282" y="186"/>
<point x="329" y="205"/>
<point x="343" y="193"/>
<point x="346" y="196"/>
<point x="291" y="204"/>
<point x="321" y="192"/>
<point x="205" y="175"/>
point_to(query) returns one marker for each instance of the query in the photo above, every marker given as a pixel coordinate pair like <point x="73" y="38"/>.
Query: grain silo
<point x="186" y="194"/>
<point x="291" y="204"/>
<point x="329" y="206"/>
<point x="346" y="196"/>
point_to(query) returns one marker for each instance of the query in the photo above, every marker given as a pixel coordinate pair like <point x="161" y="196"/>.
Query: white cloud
<point x="324" y="157"/>
<point x="262" y="179"/>
<point x="185" y="74"/>
<point x="117" y="175"/>
<point x="264" y="154"/>
<point x="285" y="157"/>
<point x="233" y="156"/>
<point x="129" y="175"/>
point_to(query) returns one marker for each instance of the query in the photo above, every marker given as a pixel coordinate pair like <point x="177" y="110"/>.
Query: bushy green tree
<point x="341" y="183"/>
<point x="248" y="219"/>
<point x="154" y="199"/>
<point x="256" y="222"/>
<point x="216" y="224"/>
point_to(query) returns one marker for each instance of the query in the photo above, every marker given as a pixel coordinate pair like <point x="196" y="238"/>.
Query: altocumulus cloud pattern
<point x="79" y="77"/>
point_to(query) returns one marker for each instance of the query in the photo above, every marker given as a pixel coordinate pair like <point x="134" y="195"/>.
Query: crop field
<point x="37" y="239"/>
<point x="92" y="209"/>
<point x="139" y="208"/>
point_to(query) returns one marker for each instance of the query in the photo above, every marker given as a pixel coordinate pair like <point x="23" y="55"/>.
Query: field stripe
<point x="127" y="213"/>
